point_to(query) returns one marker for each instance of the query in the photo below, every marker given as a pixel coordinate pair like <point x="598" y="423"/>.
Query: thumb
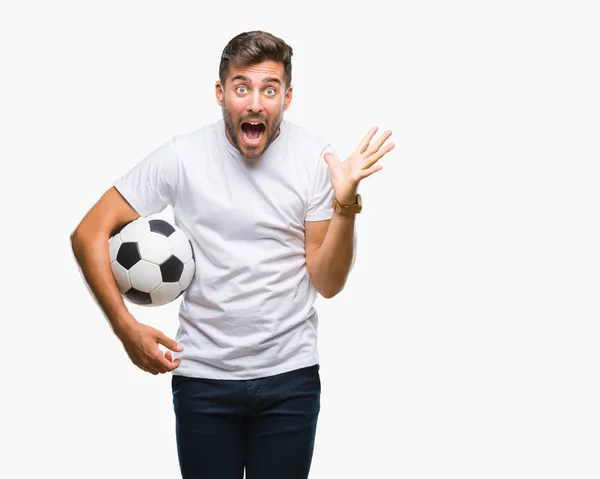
<point x="169" y="357"/>
<point x="329" y="159"/>
<point x="169" y="343"/>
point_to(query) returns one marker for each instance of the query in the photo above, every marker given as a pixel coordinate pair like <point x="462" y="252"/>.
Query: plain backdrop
<point x="466" y="343"/>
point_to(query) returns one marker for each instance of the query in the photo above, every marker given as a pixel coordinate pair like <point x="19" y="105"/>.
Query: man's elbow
<point x="326" y="287"/>
<point x="330" y="292"/>
<point x="78" y="238"/>
<point x="74" y="236"/>
<point x="77" y="243"/>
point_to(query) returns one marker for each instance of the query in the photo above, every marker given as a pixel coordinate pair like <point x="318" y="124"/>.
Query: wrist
<point x="349" y="208"/>
<point x="347" y="197"/>
<point x="123" y="325"/>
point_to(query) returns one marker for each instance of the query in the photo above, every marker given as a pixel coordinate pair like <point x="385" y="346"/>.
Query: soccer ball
<point x="152" y="261"/>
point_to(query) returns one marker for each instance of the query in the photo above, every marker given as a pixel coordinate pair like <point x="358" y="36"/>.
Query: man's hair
<point x="250" y="48"/>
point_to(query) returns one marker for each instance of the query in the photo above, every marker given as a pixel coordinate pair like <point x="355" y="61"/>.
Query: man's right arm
<point x="90" y="247"/>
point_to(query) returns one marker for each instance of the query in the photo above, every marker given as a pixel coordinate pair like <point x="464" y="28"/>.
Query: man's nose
<point x="255" y="105"/>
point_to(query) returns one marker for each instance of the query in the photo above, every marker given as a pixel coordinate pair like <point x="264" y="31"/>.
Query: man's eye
<point x="241" y="89"/>
<point x="270" y="91"/>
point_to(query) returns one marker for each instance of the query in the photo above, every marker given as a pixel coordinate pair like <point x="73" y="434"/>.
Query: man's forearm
<point x="91" y="253"/>
<point x="334" y="258"/>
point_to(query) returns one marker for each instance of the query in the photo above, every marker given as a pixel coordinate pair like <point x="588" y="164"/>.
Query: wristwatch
<point x="347" y="210"/>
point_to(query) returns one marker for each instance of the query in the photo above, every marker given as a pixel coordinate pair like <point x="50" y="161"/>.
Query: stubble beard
<point x="272" y="134"/>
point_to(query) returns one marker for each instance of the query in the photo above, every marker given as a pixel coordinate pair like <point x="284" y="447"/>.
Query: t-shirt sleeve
<point x="151" y="185"/>
<point x="319" y="207"/>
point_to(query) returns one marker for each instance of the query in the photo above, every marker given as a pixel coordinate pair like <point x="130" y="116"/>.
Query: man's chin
<point x="251" y="153"/>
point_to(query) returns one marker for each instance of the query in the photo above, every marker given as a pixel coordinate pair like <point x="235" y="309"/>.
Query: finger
<point x="168" y="342"/>
<point x="167" y="368"/>
<point x="371" y="160"/>
<point x="147" y="368"/>
<point x="377" y="145"/>
<point x="164" y="365"/>
<point x="329" y="159"/>
<point x="173" y="363"/>
<point x="150" y="367"/>
<point x="363" y="145"/>
<point x="142" y="367"/>
<point x="369" y="171"/>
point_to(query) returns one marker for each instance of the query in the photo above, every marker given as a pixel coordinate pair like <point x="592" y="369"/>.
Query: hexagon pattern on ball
<point x="152" y="261"/>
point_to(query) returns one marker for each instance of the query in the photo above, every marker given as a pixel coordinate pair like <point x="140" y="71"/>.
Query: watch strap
<point x="347" y="210"/>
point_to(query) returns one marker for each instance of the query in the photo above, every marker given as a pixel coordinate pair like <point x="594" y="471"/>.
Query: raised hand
<point x="346" y="175"/>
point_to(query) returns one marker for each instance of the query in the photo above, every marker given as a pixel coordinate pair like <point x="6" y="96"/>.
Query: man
<point x="270" y="212"/>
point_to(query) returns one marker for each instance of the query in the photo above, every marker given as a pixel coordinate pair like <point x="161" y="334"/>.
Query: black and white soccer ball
<point x="152" y="261"/>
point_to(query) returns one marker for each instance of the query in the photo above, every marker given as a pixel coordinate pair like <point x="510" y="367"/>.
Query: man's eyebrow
<point x="265" y="80"/>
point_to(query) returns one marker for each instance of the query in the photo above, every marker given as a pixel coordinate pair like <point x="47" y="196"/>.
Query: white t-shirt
<point x="248" y="312"/>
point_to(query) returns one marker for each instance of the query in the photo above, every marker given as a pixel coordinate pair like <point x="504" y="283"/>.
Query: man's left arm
<point x="330" y="244"/>
<point x="330" y="248"/>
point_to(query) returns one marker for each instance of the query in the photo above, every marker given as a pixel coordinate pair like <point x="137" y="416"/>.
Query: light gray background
<point x="466" y="341"/>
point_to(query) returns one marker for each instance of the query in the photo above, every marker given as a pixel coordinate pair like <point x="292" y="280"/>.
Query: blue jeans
<point x="266" y="425"/>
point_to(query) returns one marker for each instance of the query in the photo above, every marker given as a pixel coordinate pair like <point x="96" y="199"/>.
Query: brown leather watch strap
<point x="347" y="210"/>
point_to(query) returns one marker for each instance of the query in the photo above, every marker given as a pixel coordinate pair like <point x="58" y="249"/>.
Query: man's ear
<point x="219" y="92"/>
<point x="288" y="98"/>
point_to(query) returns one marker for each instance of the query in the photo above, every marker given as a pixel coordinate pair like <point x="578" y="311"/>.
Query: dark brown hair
<point x="250" y="48"/>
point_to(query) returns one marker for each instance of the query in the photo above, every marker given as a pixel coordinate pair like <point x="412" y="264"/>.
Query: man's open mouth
<point x="253" y="131"/>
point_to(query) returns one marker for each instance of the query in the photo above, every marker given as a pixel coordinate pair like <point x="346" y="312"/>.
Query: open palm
<point x="346" y="175"/>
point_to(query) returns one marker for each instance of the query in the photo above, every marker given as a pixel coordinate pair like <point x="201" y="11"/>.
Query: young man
<point x="270" y="212"/>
